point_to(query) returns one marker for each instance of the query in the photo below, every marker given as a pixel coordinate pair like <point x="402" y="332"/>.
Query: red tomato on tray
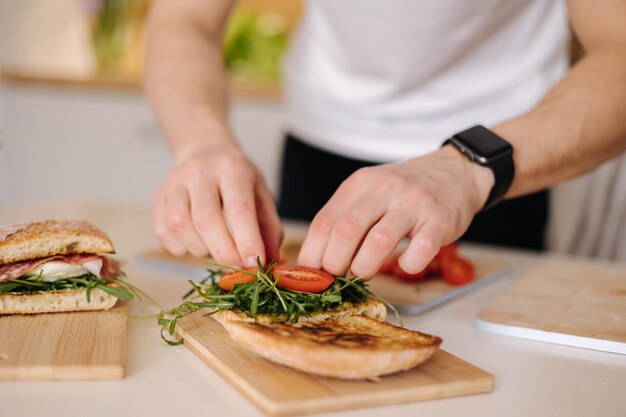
<point x="447" y="264"/>
<point x="448" y="251"/>
<point x="457" y="271"/>
<point x="391" y="267"/>
<point x="302" y="278"/>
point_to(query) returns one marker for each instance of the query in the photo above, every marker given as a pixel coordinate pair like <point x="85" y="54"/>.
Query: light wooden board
<point x="565" y="301"/>
<point x="89" y="345"/>
<point x="407" y="297"/>
<point x="281" y="391"/>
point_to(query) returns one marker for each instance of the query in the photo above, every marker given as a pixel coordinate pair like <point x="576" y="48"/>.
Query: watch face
<point x="482" y="145"/>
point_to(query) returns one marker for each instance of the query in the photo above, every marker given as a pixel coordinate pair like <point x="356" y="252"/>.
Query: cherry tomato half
<point x="405" y="276"/>
<point x="448" y="251"/>
<point x="434" y="266"/>
<point x="391" y="267"/>
<point x="388" y="267"/>
<point x="228" y="281"/>
<point x="457" y="271"/>
<point x="302" y="278"/>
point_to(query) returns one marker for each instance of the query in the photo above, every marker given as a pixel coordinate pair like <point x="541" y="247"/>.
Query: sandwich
<point x="58" y="266"/>
<point x="308" y="320"/>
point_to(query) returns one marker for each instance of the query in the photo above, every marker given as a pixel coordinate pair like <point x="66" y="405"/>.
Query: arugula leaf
<point x="8" y="286"/>
<point x="117" y="292"/>
<point x="33" y="284"/>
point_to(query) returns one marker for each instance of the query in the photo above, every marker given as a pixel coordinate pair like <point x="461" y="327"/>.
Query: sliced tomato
<point x="457" y="271"/>
<point x="391" y="267"/>
<point x="388" y="267"/>
<point x="228" y="281"/>
<point x="434" y="267"/>
<point x="302" y="278"/>
<point x="448" y="251"/>
<point x="405" y="276"/>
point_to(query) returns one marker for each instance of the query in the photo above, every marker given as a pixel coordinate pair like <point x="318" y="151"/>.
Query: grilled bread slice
<point x="51" y="237"/>
<point x="370" y="308"/>
<point x="350" y="347"/>
<point x="55" y="302"/>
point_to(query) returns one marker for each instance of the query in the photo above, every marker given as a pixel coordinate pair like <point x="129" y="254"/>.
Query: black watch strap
<point x="503" y="172"/>
<point x="484" y="147"/>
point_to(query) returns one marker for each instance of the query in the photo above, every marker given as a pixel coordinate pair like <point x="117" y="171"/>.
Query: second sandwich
<point x="58" y="266"/>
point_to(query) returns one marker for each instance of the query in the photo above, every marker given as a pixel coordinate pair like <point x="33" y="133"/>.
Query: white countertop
<point x="531" y="378"/>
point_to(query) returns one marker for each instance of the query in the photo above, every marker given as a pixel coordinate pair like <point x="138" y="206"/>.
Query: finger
<point x="178" y="219"/>
<point x="240" y="212"/>
<point x="380" y="242"/>
<point x="269" y="221"/>
<point x="162" y="232"/>
<point x="422" y="248"/>
<point x="314" y="245"/>
<point x="208" y="220"/>
<point x="312" y="249"/>
<point x="348" y="232"/>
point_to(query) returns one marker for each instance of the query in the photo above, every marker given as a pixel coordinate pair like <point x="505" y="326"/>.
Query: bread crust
<point x="55" y="301"/>
<point x="51" y="237"/>
<point x="351" y="347"/>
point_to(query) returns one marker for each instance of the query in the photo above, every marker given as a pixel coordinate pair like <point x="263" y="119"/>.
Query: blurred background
<point x="74" y="123"/>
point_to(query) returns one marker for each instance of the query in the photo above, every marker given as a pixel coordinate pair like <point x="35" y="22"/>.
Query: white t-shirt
<point x="386" y="80"/>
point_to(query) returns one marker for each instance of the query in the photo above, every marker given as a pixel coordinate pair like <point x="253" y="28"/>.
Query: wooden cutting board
<point x="281" y="391"/>
<point x="407" y="297"/>
<point x="565" y="301"/>
<point x="88" y="345"/>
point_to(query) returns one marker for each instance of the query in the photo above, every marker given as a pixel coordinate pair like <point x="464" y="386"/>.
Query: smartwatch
<point x="480" y="145"/>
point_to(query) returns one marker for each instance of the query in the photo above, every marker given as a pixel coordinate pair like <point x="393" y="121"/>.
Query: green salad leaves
<point x="32" y="284"/>
<point x="264" y="296"/>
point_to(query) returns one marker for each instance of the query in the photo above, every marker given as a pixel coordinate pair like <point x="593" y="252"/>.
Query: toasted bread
<point x="52" y="237"/>
<point x="351" y="347"/>
<point x="55" y="301"/>
<point x="370" y="308"/>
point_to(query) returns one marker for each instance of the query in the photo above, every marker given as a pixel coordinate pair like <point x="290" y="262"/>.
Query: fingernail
<point x="251" y="261"/>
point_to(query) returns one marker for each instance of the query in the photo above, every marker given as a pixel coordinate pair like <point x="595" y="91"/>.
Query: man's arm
<point x="215" y="200"/>
<point x="432" y="199"/>
<point x="185" y="77"/>
<point x="581" y="122"/>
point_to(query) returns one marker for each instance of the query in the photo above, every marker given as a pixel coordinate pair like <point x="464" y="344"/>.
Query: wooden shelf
<point x="10" y="76"/>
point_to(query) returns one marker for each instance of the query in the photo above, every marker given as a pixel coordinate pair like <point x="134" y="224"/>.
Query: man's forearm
<point x="577" y="126"/>
<point x="186" y="82"/>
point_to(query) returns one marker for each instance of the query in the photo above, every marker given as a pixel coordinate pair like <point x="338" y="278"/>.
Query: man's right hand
<point x="216" y="203"/>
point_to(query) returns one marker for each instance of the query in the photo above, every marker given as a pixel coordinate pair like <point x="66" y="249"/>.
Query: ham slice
<point x="15" y="270"/>
<point x="98" y="265"/>
<point x="111" y="268"/>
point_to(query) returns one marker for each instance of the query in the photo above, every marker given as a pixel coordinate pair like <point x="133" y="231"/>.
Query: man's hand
<point x="431" y="200"/>
<point x="216" y="202"/>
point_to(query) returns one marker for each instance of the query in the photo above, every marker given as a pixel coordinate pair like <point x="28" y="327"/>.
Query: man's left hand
<point x="430" y="199"/>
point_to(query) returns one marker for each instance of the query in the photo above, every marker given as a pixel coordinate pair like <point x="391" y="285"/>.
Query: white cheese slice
<point x="55" y="270"/>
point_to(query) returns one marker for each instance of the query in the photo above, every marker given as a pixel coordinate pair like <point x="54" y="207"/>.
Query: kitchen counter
<point x="531" y="378"/>
<point x="11" y="76"/>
